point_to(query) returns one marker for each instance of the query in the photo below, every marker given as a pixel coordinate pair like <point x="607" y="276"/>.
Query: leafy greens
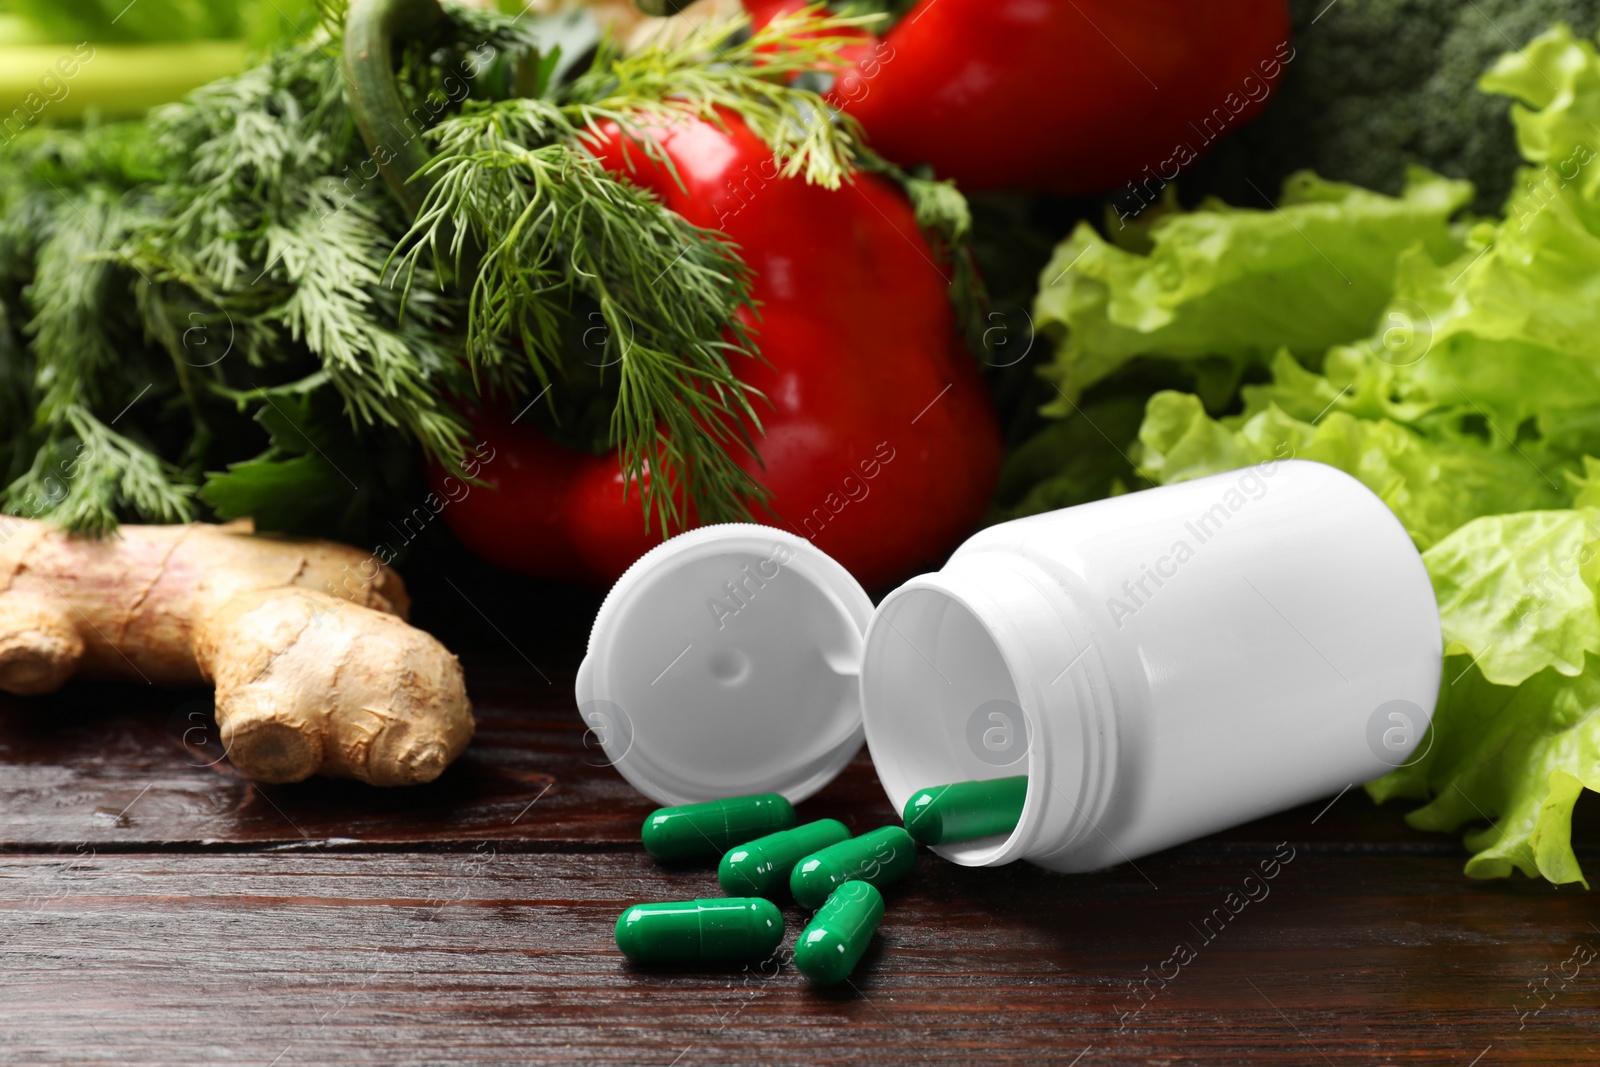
<point x="1468" y="398"/>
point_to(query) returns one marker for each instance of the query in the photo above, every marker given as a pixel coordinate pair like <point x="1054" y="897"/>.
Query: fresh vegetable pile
<point x="1473" y="409"/>
<point x="440" y="261"/>
<point x="476" y="236"/>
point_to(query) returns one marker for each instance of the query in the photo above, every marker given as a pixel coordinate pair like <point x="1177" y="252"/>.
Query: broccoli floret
<point x="1377" y="84"/>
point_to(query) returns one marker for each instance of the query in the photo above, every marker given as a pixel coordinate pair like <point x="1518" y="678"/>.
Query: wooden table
<point x="155" y="908"/>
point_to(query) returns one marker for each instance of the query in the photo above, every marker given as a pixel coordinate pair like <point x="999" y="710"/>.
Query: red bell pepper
<point x="1064" y="96"/>
<point x="880" y="444"/>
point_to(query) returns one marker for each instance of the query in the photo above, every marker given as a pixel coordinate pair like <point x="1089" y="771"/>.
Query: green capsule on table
<point x="761" y="867"/>
<point x="720" y="930"/>
<point x="831" y="946"/>
<point x="701" y="831"/>
<point x="964" y="811"/>
<point x="878" y="857"/>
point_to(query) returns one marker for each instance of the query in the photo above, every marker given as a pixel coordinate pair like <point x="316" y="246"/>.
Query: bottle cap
<point x="725" y="662"/>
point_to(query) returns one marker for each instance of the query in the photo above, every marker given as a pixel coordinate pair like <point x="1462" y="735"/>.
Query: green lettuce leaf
<point x="1511" y="760"/>
<point x="1508" y="335"/>
<point x="1225" y="287"/>
<point x="1433" y="485"/>
<point x="1515" y="737"/>
<point x="1515" y="592"/>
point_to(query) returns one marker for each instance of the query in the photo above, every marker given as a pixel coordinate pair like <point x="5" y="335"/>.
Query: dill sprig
<point x="550" y="223"/>
<point x="61" y="281"/>
<point x="171" y="305"/>
<point x="720" y="68"/>
<point x="515" y="187"/>
<point x="268" y="226"/>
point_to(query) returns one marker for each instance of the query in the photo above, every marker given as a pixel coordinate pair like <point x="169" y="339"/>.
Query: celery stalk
<point x="59" y="82"/>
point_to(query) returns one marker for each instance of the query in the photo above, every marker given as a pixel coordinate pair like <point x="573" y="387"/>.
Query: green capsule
<point x="964" y="811"/>
<point x="761" y="868"/>
<point x="700" y="831"/>
<point x="830" y="948"/>
<point x="878" y="857"/>
<point x="722" y="930"/>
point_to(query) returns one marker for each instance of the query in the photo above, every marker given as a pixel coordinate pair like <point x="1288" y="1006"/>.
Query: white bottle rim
<point x="1033" y="703"/>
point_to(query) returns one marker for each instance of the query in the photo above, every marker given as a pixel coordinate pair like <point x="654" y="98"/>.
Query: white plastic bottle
<point x="1160" y="665"/>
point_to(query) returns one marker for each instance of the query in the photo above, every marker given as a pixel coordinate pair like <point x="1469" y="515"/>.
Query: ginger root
<point x="315" y="668"/>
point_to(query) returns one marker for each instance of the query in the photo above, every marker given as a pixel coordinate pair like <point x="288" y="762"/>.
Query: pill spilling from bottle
<point x="819" y="864"/>
<point x="705" y="831"/>
<point x="763" y="854"/>
<point x="761" y="868"/>
<point x="1129" y="655"/>
<point x="965" y="811"/>
<point x="878" y="857"/>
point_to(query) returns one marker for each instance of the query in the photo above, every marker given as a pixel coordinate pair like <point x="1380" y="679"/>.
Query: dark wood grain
<point x="110" y="765"/>
<point x="157" y="909"/>
<point x="135" y="767"/>
<point x="486" y="956"/>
